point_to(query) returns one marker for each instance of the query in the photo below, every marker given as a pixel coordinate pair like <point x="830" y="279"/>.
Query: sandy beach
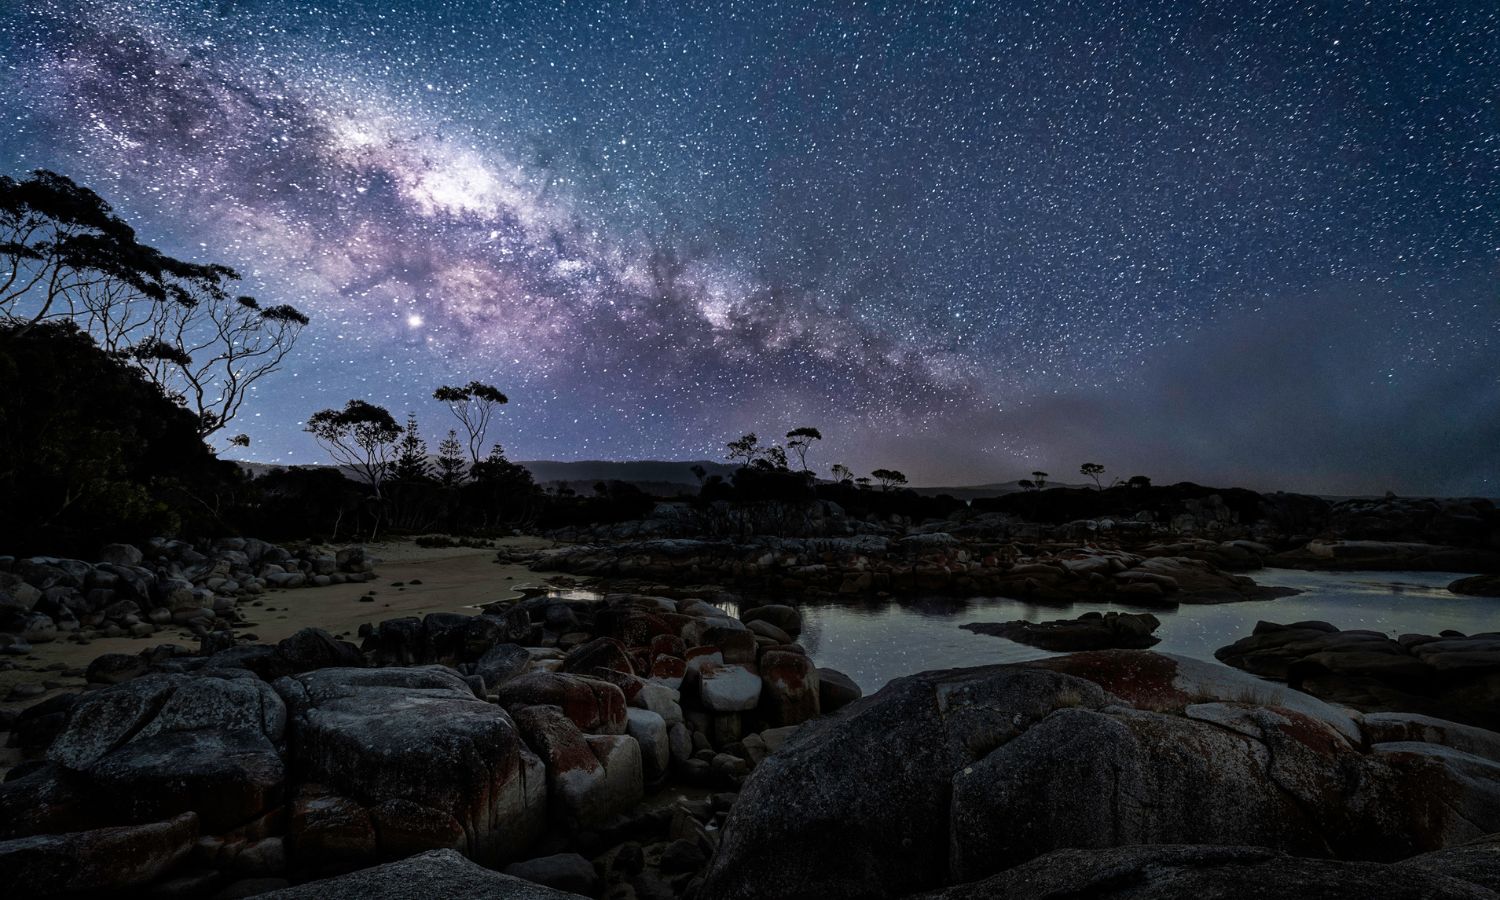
<point x="411" y="580"/>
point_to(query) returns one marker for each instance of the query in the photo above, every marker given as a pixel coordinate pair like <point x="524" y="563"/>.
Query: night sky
<point x="1253" y="243"/>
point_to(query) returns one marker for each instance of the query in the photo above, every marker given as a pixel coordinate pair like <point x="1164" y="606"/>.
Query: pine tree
<point x="411" y="454"/>
<point x="450" y="461"/>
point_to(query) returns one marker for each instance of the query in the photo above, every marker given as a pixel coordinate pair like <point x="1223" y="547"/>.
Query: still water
<point x="875" y="642"/>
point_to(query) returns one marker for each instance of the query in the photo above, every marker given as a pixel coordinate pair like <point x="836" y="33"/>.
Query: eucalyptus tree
<point x="65" y="255"/>
<point x="473" y="405"/>
<point x="360" y="437"/>
<point x="800" y="440"/>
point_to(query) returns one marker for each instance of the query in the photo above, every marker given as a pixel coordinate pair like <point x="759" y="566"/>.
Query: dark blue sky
<point x="1252" y="242"/>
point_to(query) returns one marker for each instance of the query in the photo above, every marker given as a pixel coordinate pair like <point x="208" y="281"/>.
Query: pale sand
<point x="455" y="579"/>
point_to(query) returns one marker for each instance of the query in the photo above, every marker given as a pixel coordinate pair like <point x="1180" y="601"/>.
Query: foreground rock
<point x="1477" y="586"/>
<point x="91" y="861"/>
<point x="1090" y="631"/>
<point x="432" y="765"/>
<point x="1449" y="676"/>
<point x="981" y="770"/>
<point x="1183" y="872"/>
<point x="437" y="873"/>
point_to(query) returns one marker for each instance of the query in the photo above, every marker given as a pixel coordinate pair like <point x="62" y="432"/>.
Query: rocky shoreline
<point x="637" y="740"/>
<point x="928" y="563"/>
<point x="1449" y="675"/>
<point x="136" y="592"/>
<point x="531" y="731"/>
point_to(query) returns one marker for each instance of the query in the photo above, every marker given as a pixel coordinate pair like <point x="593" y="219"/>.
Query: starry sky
<point x="1246" y="242"/>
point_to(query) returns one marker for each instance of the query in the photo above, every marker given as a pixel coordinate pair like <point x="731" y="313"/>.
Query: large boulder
<point x="953" y="776"/>
<point x="593" y="704"/>
<point x="435" y="766"/>
<point x="437" y="873"/>
<point x="728" y="688"/>
<point x="589" y="777"/>
<point x="783" y="617"/>
<point x="96" y="861"/>
<point x="789" y="687"/>
<point x="836" y="690"/>
<point x="1186" y="872"/>
<point x="1448" y="676"/>
<point x="161" y="745"/>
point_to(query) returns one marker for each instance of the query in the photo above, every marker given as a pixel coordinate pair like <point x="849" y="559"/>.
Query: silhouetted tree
<point x="1039" y="479"/>
<point x="208" y="353"/>
<point x="1138" y="481"/>
<point x="450" y="460"/>
<point x="1027" y="484"/>
<point x="412" y="464"/>
<point x="1092" y="470"/>
<point x="747" y="448"/>
<point x="888" y="478"/>
<point x="699" y="473"/>
<point x="473" y="405"/>
<point x="863" y="482"/>
<point x="361" y="437"/>
<point x="842" y="474"/>
<point x="64" y="254"/>
<point x="773" y="457"/>
<point x="799" y="441"/>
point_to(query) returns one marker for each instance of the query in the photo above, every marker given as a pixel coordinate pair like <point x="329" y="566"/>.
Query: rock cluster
<point x="537" y="726"/>
<point x="1450" y="675"/>
<point x="1090" y="631"/>
<point x="987" y="771"/>
<point x="131" y="591"/>
<point x="927" y="563"/>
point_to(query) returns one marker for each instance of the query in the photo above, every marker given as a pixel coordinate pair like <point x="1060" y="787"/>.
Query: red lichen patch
<point x="1144" y="679"/>
<point x="1311" y="733"/>
<point x="665" y="666"/>
<point x="789" y="671"/>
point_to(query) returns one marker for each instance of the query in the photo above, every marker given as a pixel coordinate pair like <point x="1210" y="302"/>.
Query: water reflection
<point x="874" y="642"/>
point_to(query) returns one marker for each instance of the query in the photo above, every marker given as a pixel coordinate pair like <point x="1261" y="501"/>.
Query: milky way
<point x="965" y="240"/>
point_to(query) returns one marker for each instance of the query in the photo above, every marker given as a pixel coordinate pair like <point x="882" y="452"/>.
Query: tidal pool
<point x="874" y="642"/>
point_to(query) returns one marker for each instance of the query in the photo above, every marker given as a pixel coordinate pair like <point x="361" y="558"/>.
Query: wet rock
<point x="1090" y="631"/>
<point x="836" y="690"/>
<point x="785" y="618"/>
